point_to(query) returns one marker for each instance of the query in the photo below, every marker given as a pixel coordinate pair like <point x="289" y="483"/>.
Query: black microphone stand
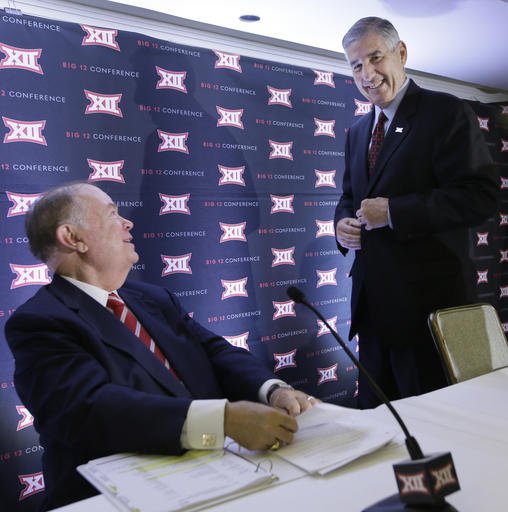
<point x="423" y="481"/>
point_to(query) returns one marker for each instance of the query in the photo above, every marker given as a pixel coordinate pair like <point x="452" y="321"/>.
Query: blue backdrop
<point x="230" y="168"/>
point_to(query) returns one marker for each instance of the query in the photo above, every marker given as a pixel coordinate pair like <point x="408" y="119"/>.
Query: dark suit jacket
<point x="94" y="389"/>
<point x="435" y="168"/>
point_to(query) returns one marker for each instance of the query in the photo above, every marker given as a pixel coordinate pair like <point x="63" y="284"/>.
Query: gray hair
<point x="55" y="207"/>
<point x="372" y="24"/>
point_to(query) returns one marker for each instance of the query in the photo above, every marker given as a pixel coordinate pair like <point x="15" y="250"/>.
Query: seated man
<point x="151" y="380"/>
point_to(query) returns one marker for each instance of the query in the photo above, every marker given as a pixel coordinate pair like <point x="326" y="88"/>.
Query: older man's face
<point x="106" y="234"/>
<point x="378" y="71"/>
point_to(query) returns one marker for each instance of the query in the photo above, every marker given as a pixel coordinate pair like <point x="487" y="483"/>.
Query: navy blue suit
<point x="94" y="389"/>
<point x="436" y="171"/>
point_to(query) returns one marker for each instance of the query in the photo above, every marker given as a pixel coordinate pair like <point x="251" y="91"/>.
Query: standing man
<point x="417" y="175"/>
<point x="128" y="371"/>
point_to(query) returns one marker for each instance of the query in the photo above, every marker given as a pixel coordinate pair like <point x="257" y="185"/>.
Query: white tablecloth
<point x="469" y="419"/>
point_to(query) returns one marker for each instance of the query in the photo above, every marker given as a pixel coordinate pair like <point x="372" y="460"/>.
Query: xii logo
<point x="21" y="58"/>
<point x="100" y="37"/>
<point x="21" y="203"/>
<point x="29" y="275"/>
<point x="286" y="360"/>
<point x="24" y="131"/>
<point x="227" y="61"/>
<point x="33" y="483"/>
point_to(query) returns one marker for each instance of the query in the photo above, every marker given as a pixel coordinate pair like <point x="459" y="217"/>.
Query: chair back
<point x="470" y="340"/>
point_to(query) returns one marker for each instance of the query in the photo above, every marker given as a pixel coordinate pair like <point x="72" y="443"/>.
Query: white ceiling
<point x="465" y="40"/>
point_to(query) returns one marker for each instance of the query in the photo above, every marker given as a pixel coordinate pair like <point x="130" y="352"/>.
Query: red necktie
<point x="122" y="312"/>
<point x="378" y="136"/>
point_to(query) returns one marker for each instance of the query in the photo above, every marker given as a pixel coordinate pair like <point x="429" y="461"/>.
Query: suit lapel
<point x="112" y="332"/>
<point x="399" y="129"/>
<point x="361" y="142"/>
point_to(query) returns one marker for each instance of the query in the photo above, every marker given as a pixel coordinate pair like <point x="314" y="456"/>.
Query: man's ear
<point x="68" y="238"/>
<point x="403" y="52"/>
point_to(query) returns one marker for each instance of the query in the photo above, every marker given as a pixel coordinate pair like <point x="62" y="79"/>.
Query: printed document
<point x="328" y="437"/>
<point x="158" y="483"/>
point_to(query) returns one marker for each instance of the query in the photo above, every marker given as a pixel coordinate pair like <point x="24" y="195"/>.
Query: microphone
<point x="423" y="481"/>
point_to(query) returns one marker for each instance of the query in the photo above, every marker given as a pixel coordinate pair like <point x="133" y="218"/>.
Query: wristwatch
<point x="275" y="386"/>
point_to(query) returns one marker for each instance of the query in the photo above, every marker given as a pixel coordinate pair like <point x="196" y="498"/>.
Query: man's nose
<point x="128" y="224"/>
<point x="368" y="72"/>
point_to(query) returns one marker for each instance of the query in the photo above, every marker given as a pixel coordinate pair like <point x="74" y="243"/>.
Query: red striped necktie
<point x="378" y="136"/>
<point x="125" y="315"/>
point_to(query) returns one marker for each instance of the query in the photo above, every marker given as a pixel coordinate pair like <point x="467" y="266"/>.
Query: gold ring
<point x="275" y="446"/>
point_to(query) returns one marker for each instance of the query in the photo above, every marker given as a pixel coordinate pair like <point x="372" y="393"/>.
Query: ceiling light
<point x="249" y="18"/>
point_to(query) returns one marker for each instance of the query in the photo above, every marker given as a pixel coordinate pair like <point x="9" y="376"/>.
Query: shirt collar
<point x="391" y="109"/>
<point x="100" y="295"/>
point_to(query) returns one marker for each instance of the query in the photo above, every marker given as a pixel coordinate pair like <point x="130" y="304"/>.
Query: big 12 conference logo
<point x="24" y="131"/>
<point x="33" y="483"/>
<point x="100" y="37"/>
<point x="176" y="264"/>
<point x="279" y="97"/>
<point x="27" y="275"/>
<point x="103" y="103"/>
<point x="27" y="420"/>
<point x="171" y="79"/>
<point x="285" y="360"/>
<point x="21" y="58"/>
<point x="227" y="61"/>
<point x="327" y="374"/>
<point x="21" y="203"/>
<point x="324" y="78"/>
<point x="234" y="288"/>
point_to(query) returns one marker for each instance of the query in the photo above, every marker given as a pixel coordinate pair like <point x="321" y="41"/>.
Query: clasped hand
<point x="373" y="213"/>
<point x="258" y="427"/>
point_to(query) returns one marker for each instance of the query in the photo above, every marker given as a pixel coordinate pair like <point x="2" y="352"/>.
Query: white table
<point x="469" y="419"/>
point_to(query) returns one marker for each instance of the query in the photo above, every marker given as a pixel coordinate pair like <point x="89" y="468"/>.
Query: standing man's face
<point x="378" y="71"/>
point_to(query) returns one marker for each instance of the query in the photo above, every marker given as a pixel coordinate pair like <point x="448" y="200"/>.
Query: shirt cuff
<point x="263" y="390"/>
<point x="203" y="428"/>
<point x="389" y="217"/>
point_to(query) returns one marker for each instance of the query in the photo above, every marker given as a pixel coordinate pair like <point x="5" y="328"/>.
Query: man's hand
<point x="347" y="232"/>
<point x="291" y="401"/>
<point x="258" y="426"/>
<point x="373" y="213"/>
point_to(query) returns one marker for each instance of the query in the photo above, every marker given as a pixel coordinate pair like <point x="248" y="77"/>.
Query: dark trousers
<point x="399" y="371"/>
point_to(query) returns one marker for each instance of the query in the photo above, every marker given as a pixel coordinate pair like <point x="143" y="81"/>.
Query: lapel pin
<point x="399" y="129"/>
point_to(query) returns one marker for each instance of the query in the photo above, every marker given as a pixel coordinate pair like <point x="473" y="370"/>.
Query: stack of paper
<point x="158" y="483"/>
<point x="330" y="437"/>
